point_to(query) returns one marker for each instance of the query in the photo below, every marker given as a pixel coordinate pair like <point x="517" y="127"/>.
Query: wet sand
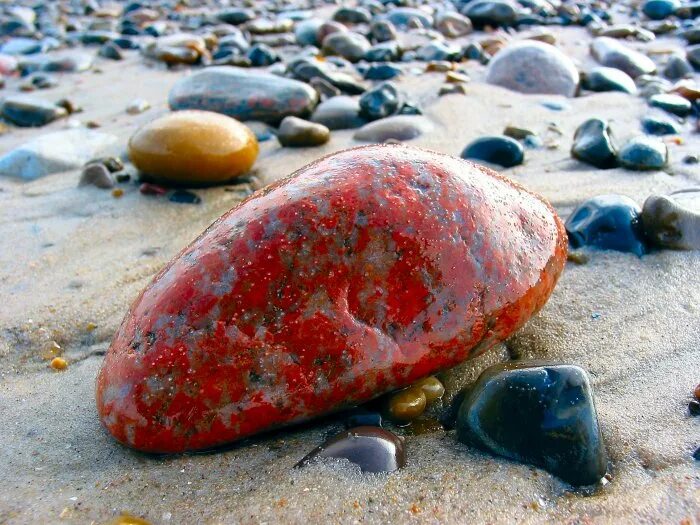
<point x="72" y="256"/>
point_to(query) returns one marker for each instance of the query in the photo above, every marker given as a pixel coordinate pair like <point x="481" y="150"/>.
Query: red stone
<point x="359" y="274"/>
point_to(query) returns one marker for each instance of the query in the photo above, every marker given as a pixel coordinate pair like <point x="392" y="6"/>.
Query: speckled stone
<point x="534" y="67"/>
<point x="243" y="94"/>
<point x="609" y="222"/>
<point x="197" y="147"/>
<point x="225" y="315"/>
<point x="537" y="413"/>
<point x="673" y="220"/>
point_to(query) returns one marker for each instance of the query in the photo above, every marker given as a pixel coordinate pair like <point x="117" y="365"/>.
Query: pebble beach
<point x="572" y="101"/>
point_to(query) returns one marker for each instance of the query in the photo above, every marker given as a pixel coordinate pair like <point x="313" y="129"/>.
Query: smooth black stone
<point x="694" y="408"/>
<point x="122" y="177"/>
<point x="473" y="51"/>
<point x="696" y="454"/>
<point x="372" y="448"/>
<point x="659" y="126"/>
<point x="536" y="413"/>
<point x="490" y="12"/>
<point x="594" y="144"/>
<point x="111" y="51"/>
<point x="382" y="72"/>
<point x="359" y="417"/>
<point x="380" y="102"/>
<point x="672" y="103"/>
<point x="501" y="150"/>
<point x="691" y="159"/>
<point x="352" y="15"/>
<point x="126" y="43"/>
<point x="608" y="79"/>
<point x="236" y="16"/>
<point x="383" y="52"/>
<point x="609" y="222"/>
<point x="184" y="197"/>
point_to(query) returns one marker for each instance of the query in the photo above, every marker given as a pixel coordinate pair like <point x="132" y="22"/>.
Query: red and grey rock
<point x="358" y="274"/>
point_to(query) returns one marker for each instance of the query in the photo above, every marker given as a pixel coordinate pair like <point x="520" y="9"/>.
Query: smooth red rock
<point x="359" y="274"/>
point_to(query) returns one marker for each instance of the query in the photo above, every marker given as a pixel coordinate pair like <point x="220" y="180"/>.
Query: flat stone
<point x="534" y="67"/>
<point x="347" y="44"/>
<point x="673" y="220"/>
<point x="30" y="111"/>
<point x="653" y="125"/>
<point x="608" y="222"/>
<point x="54" y="153"/>
<point x="608" y="79"/>
<point x="674" y="104"/>
<point x="612" y="53"/>
<point x="371" y="448"/>
<point x="243" y="94"/>
<point x="537" y="413"/>
<point x="398" y="127"/>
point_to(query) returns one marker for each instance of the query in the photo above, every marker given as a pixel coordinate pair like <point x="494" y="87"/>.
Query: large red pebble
<point x="359" y="274"/>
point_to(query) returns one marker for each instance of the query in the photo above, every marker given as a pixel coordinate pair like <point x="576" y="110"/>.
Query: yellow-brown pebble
<point x="198" y="147"/>
<point x="431" y="387"/>
<point x="407" y="404"/>
<point x="58" y="363"/>
<point x="128" y="519"/>
<point x="117" y="192"/>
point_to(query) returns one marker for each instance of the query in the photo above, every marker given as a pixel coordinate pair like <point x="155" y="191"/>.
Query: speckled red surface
<point x="358" y="274"/>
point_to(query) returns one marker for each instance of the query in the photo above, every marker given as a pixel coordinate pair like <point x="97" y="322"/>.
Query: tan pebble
<point x="128" y="519"/>
<point x="90" y="326"/>
<point x="407" y="404"/>
<point x="431" y="387"/>
<point x="117" y="192"/>
<point x="58" y="363"/>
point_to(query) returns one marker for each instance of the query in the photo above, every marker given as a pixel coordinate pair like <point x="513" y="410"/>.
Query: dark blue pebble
<point x="609" y="222"/>
<point x="660" y="9"/>
<point x="659" y="126"/>
<point x="262" y="55"/>
<point x="594" y="144"/>
<point x="536" y="413"/>
<point x="672" y="103"/>
<point x="383" y="52"/>
<point x="501" y="150"/>
<point x="380" y="102"/>
<point x="382" y="72"/>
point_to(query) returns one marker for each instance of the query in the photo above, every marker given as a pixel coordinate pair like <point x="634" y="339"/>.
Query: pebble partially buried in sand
<point x="277" y="312"/>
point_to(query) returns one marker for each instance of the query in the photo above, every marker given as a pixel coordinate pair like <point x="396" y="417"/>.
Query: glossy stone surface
<point x="660" y="9"/>
<point x="612" y="53"/>
<point x="407" y="404"/>
<point x="372" y="448"/>
<point x="534" y="67"/>
<point x="243" y="94"/>
<point x="594" y="144"/>
<point x="197" y="147"/>
<point x="29" y="111"/>
<point x="380" y="101"/>
<point x="608" y="79"/>
<point x="537" y="413"/>
<point x="643" y="153"/>
<point x="609" y="222"/>
<point x="358" y="275"/>
<point x="673" y="220"/>
<point x="298" y="133"/>
<point x="501" y="150"/>
<point x="490" y="12"/>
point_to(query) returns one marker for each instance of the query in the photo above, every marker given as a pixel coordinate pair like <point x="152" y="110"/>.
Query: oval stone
<point x="359" y="274"/>
<point x="197" y="147"/>
<point x="243" y="94"/>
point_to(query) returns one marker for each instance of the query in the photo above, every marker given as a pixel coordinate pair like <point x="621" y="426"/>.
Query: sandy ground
<point x="72" y="256"/>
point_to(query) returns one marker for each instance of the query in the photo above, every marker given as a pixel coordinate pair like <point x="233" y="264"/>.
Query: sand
<point x="72" y="256"/>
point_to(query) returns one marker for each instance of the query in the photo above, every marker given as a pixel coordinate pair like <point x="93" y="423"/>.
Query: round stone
<point x="431" y="387"/>
<point x="193" y="147"/>
<point x="341" y="112"/>
<point x="673" y="221"/>
<point x="453" y="25"/>
<point x="609" y="222"/>
<point x="594" y="144"/>
<point x="660" y="9"/>
<point x="407" y="404"/>
<point x="298" y="133"/>
<point x="534" y="67"/>
<point x="347" y="44"/>
<point x="500" y="150"/>
<point x="644" y="153"/>
<point x="491" y="12"/>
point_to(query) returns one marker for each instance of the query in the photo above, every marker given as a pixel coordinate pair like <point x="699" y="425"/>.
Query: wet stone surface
<point x="594" y="144"/>
<point x="500" y="150"/>
<point x="537" y="413"/>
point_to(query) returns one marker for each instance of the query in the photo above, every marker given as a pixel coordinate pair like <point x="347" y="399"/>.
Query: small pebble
<point x="672" y="103"/>
<point x="500" y="150"/>
<point x="117" y="192"/>
<point x="694" y="408"/>
<point x="58" y="363"/>
<point x="407" y="404"/>
<point x="673" y="220"/>
<point x="643" y="153"/>
<point x="184" y="197"/>
<point x="96" y="174"/>
<point x="380" y="102"/>
<point x="594" y="144"/>
<point x="137" y="106"/>
<point x="298" y="133"/>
